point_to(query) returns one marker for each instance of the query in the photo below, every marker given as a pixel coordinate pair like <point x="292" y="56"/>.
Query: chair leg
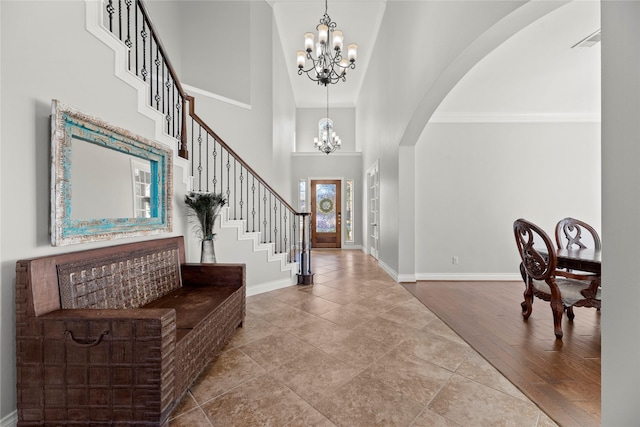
<point x="557" y="309"/>
<point x="570" y="314"/>
<point x="527" y="304"/>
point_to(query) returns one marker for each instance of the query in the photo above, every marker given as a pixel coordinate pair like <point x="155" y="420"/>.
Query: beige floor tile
<point x="262" y="401"/>
<point x="408" y="315"/>
<point x="318" y="331"/>
<point x="479" y="370"/>
<point x="186" y="404"/>
<point x="314" y="375"/>
<point x="342" y="297"/>
<point x="348" y="316"/>
<point x="386" y="331"/>
<point x="316" y="305"/>
<point x="469" y="403"/>
<point x="272" y="351"/>
<point x="438" y="327"/>
<point x="287" y="317"/>
<point x="253" y="329"/>
<point x="356" y="349"/>
<point x="230" y="369"/>
<point x="436" y="349"/>
<point x="415" y="378"/>
<point x="317" y="290"/>
<point x="367" y="402"/>
<point x="429" y="418"/>
<point x="195" y="417"/>
<point x="311" y="418"/>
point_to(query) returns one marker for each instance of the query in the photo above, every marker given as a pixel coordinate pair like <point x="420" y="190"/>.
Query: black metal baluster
<point x="229" y="178"/>
<point x="284" y="229"/>
<point x="270" y="221"/>
<point x="215" y="176"/>
<point x="253" y="202"/>
<point x="120" y="20"/>
<point x="135" y="14"/>
<point x="259" y="231"/>
<point x="157" y="63"/>
<point x="128" y="42"/>
<point x="241" y="199"/>
<point x="276" y="219"/>
<point x="192" y="157"/>
<point x="110" y="11"/>
<point x="200" y="158"/>
<point x="207" y="160"/>
<point x="264" y="221"/>
<point x="235" y="198"/>
<point x="144" y="50"/>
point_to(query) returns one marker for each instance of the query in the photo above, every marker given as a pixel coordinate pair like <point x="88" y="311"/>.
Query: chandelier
<point x="328" y="65"/>
<point x="327" y="141"/>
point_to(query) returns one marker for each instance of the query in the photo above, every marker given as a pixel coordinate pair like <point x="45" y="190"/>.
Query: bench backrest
<point x="122" y="276"/>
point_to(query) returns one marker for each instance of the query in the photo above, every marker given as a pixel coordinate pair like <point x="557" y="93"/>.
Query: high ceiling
<point x="528" y="71"/>
<point x="358" y="19"/>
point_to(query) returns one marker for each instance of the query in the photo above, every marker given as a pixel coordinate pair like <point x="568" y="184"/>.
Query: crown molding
<point x="498" y="117"/>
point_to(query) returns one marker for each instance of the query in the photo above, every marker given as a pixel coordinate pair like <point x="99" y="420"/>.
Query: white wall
<point x="55" y="58"/>
<point x="474" y="179"/>
<point x="247" y="129"/>
<point x="394" y="89"/>
<point x="216" y="47"/>
<point x="344" y="124"/>
<point x="620" y="212"/>
<point x="284" y="122"/>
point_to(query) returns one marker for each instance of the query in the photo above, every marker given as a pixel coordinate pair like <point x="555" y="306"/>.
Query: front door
<point x="325" y="214"/>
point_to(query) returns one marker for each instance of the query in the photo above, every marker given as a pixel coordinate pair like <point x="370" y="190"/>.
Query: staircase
<point x="257" y="226"/>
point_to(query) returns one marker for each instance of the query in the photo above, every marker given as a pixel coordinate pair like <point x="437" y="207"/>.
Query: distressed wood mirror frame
<point x="69" y="128"/>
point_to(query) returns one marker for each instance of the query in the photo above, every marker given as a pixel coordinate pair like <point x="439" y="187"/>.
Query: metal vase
<point x="208" y="252"/>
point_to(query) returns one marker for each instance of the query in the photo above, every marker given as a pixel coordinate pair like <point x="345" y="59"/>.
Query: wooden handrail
<point x="201" y="122"/>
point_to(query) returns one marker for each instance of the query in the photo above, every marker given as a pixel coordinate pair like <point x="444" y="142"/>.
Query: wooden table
<point x="580" y="259"/>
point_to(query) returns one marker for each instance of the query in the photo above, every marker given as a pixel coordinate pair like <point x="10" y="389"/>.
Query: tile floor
<point x="354" y="349"/>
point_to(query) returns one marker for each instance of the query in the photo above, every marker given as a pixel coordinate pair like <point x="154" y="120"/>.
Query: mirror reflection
<point x="106" y="183"/>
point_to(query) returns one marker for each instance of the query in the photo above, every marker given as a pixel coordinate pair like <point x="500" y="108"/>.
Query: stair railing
<point x="214" y="165"/>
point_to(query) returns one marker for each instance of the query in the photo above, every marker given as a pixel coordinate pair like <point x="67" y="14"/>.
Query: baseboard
<point x="470" y="277"/>
<point x="390" y="271"/>
<point x="10" y="420"/>
<point x="268" y="286"/>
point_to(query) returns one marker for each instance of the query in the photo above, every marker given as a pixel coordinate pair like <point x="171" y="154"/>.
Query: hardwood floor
<point x="561" y="376"/>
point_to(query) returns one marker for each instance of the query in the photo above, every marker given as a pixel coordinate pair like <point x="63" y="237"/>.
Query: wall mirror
<point x="106" y="182"/>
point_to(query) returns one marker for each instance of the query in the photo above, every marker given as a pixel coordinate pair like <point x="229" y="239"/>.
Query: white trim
<point x="319" y="154"/>
<point x="212" y="95"/>
<point x="349" y="247"/>
<point x="10" y="420"/>
<point x="469" y="277"/>
<point x="391" y="272"/>
<point x="407" y="278"/>
<point x="498" y="117"/>
<point x="268" y="286"/>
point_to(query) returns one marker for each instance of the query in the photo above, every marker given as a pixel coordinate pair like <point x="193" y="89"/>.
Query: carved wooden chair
<point x="569" y="233"/>
<point x="542" y="279"/>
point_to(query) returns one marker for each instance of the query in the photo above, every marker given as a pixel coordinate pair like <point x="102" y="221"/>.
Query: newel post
<point x="183" y="151"/>
<point x="305" y="276"/>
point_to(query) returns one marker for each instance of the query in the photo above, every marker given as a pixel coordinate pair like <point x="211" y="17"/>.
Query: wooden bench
<point x="116" y="335"/>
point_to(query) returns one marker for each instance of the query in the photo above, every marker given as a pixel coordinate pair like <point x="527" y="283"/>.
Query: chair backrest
<point x="569" y="234"/>
<point x="538" y="265"/>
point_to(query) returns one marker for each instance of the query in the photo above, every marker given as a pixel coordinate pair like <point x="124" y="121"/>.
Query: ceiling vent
<point x="589" y="41"/>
